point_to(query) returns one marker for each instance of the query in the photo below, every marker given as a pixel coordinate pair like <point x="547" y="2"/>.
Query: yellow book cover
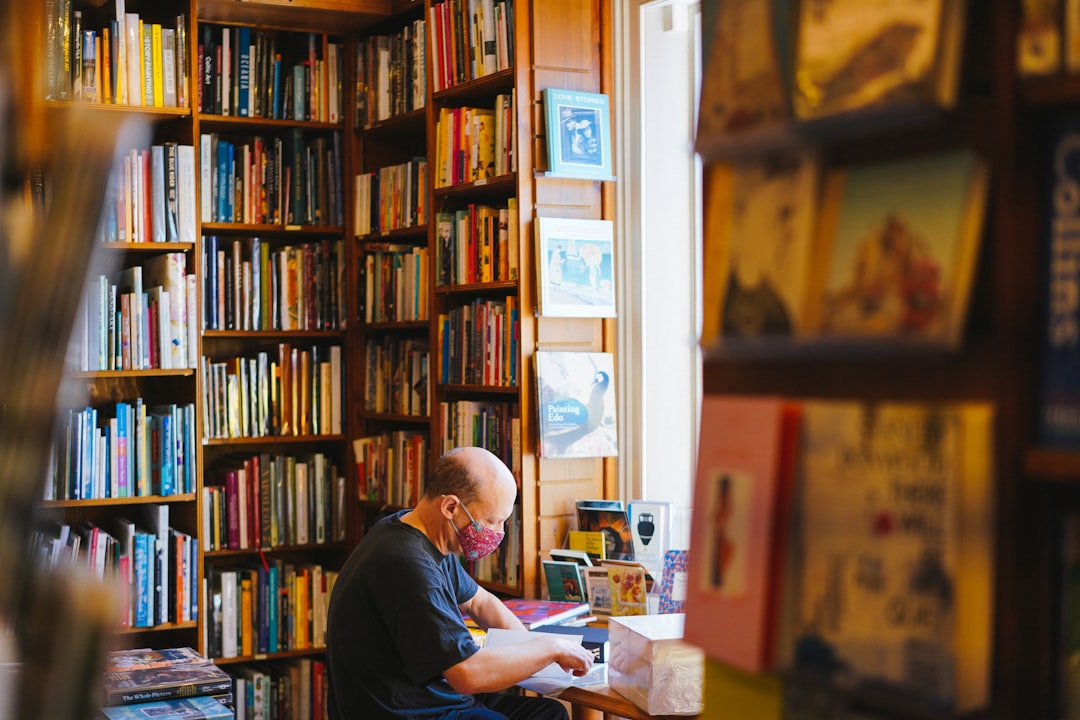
<point x="155" y="58"/>
<point x="589" y="542"/>
<point x="246" y="626"/>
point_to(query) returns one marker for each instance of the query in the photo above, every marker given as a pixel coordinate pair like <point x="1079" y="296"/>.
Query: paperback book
<point x="190" y="708"/>
<point x="165" y="682"/>
<point x="564" y="580"/>
<point x="609" y="518"/>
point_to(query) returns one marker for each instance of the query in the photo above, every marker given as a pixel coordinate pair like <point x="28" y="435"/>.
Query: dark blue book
<point x="1059" y="390"/>
<point x="594" y="639"/>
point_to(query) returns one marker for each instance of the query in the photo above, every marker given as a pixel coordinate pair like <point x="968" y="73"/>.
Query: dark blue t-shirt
<point x="394" y="627"/>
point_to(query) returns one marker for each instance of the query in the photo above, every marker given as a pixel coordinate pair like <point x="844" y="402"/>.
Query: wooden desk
<point x="594" y="701"/>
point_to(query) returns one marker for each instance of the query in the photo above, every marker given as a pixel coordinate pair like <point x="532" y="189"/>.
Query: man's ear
<point x="448" y="505"/>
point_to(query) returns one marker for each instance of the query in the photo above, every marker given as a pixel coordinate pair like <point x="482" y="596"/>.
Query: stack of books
<point x="167" y="683"/>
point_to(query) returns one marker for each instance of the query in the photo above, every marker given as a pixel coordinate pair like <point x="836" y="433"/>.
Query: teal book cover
<point x="578" y="134"/>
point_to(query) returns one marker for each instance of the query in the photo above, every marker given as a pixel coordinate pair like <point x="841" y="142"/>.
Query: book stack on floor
<point x="167" y="683"/>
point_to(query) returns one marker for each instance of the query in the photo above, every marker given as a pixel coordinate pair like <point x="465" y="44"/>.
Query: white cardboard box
<point x="652" y="667"/>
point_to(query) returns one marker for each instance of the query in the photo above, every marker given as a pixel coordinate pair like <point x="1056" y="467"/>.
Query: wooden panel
<point x="570" y="333"/>
<point x="569" y="31"/>
<point x="323" y="15"/>
<point x="557" y="498"/>
<point x="552" y="532"/>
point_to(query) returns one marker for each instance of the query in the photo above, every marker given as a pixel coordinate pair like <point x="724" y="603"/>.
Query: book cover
<point x="147" y="658"/>
<point x="893" y="566"/>
<point x="536" y="613"/>
<point x="734" y="588"/>
<point x="590" y="543"/>
<point x="576" y="404"/>
<point x="877" y="58"/>
<point x="1039" y="37"/>
<point x="673" y="582"/>
<point x="628" y="589"/>
<point x="609" y="518"/>
<point x="650" y="530"/>
<point x="598" y="590"/>
<point x="578" y="131"/>
<point x="564" y="581"/>
<point x="192" y="708"/>
<point x="758" y="249"/>
<point x="1058" y="388"/>
<point x="179" y="680"/>
<point x="746" y="85"/>
<point x="899" y="243"/>
<point x="575" y="267"/>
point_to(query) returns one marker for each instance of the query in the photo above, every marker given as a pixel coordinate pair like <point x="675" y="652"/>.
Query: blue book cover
<point x="578" y="131"/>
<point x="244" y="81"/>
<point x="200" y="707"/>
<point x="272" y="624"/>
<point x="141" y="585"/>
<point x="1059" y="392"/>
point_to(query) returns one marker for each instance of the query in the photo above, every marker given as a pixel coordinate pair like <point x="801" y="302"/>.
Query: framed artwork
<point x="575" y="267"/>
<point x="578" y="134"/>
<point x="576" y="410"/>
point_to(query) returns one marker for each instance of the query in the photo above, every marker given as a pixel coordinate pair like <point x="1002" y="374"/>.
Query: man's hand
<point x="572" y="657"/>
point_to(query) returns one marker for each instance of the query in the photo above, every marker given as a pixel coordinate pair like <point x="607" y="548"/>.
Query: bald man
<point x="396" y="644"/>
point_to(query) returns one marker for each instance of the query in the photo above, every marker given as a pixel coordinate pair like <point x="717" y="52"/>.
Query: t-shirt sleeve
<point x="465" y="586"/>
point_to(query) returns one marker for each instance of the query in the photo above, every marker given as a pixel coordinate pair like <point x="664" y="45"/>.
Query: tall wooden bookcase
<point x="556" y="44"/>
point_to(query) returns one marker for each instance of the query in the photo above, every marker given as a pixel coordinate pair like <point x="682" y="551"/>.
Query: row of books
<point x="152" y="565"/>
<point x="288" y="690"/>
<point x="392" y="197"/>
<point x="473" y="144"/>
<point x="296" y="392"/>
<point x="398" y="376"/>
<point x="128" y="61"/>
<point x="138" y="318"/>
<point x="266" y="608"/>
<point x="246" y="72"/>
<point x="475" y="244"/>
<point x="249" y="284"/>
<point x="1048" y="37"/>
<point x="268" y="501"/>
<point x="391" y="73"/>
<point x="470" y="39"/>
<point x="847" y="537"/>
<point x="479" y="343"/>
<point x="394" y="283"/>
<point x="151" y="196"/>
<point x="290" y="178"/>
<point x="140" y="450"/>
<point x="495" y="426"/>
<point x="502" y="567"/>
<point x="391" y="468"/>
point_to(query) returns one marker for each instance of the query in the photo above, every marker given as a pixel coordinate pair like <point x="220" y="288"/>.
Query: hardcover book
<point x="877" y="59"/>
<point x="592" y="544"/>
<point x="1058" y="422"/>
<point x="899" y="243"/>
<point x="734" y="590"/>
<point x="576" y="404"/>
<point x="673" y="582"/>
<point x="138" y="685"/>
<point x="609" y="518"/>
<point x="628" y="588"/>
<point x="578" y="128"/>
<point x="598" y="590"/>
<point x="595" y="639"/>
<point x="537" y="613"/>
<point x="746" y="85"/>
<point x="758" y="252"/>
<point x="893" y="567"/>
<point x="575" y="268"/>
<point x="192" y="708"/>
<point x="564" y="580"/>
<point x="146" y="658"/>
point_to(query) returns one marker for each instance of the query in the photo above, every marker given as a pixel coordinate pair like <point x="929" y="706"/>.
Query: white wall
<point x="659" y="224"/>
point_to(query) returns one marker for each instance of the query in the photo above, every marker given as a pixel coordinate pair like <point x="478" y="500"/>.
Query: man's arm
<point x="494" y="669"/>
<point x="489" y="611"/>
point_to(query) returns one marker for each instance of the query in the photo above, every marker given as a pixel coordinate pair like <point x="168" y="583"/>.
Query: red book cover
<point x="232" y="498"/>
<point x="741" y="494"/>
<point x="536" y="613"/>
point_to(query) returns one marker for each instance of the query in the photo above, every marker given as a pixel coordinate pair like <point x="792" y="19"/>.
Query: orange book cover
<point x="741" y="493"/>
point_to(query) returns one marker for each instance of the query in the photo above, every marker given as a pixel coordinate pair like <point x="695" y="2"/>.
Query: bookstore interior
<point x="263" y="262"/>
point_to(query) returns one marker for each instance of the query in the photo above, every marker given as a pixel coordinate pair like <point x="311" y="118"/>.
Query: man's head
<point x="471" y="484"/>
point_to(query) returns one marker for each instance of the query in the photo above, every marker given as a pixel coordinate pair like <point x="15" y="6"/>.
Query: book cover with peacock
<point x="576" y="404"/>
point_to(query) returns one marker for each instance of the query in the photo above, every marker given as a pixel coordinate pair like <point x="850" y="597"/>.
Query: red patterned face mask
<point x="476" y="540"/>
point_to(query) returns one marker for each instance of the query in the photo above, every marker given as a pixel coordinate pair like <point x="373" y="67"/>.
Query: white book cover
<point x="228" y="613"/>
<point x="650" y="528"/>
